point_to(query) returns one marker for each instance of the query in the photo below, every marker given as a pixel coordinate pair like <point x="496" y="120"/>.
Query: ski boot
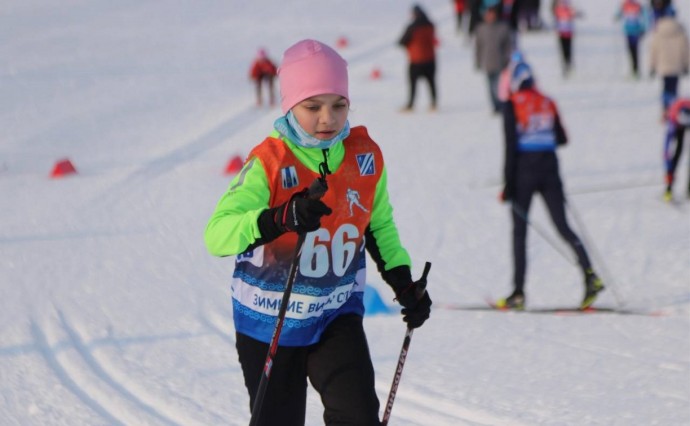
<point x="593" y="285"/>
<point x="515" y="301"/>
<point x="668" y="194"/>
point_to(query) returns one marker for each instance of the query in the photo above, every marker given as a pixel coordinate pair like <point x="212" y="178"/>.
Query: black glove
<point x="299" y="214"/>
<point x="411" y="295"/>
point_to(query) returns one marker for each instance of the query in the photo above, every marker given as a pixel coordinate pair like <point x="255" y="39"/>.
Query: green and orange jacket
<point x="331" y="277"/>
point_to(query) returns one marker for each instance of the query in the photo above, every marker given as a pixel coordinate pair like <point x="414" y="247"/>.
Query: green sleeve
<point x="233" y="226"/>
<point x="386" y="248"/>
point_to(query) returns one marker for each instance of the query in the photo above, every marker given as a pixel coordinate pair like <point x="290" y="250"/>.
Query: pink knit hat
<point x="310" y="68"/>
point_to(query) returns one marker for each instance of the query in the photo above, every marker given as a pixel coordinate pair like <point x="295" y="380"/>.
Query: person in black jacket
<point x="533" y="131"/>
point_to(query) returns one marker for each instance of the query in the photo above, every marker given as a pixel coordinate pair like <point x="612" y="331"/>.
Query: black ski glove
<point x="411" y="295"/>
<point x="299" y="214"/>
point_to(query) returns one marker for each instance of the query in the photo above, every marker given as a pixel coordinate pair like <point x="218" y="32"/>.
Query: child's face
<point x="322" y="116"/>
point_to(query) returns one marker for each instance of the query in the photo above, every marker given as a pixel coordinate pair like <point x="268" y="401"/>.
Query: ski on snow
<point x="490" y="306"/>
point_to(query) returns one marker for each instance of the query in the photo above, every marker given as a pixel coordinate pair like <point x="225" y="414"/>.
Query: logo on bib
<point x="353" y="200"/>
<point x="366" y="164"/>
<point x="289" y="177"/>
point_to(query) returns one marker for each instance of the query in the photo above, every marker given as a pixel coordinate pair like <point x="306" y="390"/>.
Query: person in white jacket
<point x="669" y="55"/>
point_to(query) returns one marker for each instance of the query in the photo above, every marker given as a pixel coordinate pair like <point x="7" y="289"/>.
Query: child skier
<point x="533" y="131"/>
<point x="259" y="219"/>
<point x="635" y="21"/>
<point x="263" y="71"/>
<point x="677" y="121"/>
<point x="564" y="15"/>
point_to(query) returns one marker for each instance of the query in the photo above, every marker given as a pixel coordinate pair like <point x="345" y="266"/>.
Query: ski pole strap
<point x="421" y="288"/>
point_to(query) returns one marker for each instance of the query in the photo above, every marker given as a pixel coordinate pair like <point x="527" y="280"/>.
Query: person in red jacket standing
<point x="677" y="121"/>
<point x="263" y="71"/>
<point x="533" y="131"/>
<point x="420" y="41"/>
<point x="564" y="15"/>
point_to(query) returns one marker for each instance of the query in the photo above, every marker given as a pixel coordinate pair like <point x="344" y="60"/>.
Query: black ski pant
<point x="538" y="173"/>
<point x="338" y="367"/>
<point x="426" y="70"/>
<point x="566" y="44"/>
<point x="672" y="154"/>
<point x="633" y="49"/>
<point x="259" y="83"/>
<point x="669" y="91"/>
<point x="492" y="80"/>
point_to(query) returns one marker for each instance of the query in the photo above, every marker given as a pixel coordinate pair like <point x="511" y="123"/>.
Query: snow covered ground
<point x="112" y="312"/>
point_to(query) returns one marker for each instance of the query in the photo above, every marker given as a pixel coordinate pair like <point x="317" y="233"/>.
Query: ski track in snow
<point x="167" y="162"/>
<point x="100" y="382"/>
<point x="101" y="386"/>
<point x="439" y="410"/>
<point x="89" y="380"/>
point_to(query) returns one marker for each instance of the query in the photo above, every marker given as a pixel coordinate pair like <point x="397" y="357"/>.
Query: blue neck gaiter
<point x="288" y="126"/>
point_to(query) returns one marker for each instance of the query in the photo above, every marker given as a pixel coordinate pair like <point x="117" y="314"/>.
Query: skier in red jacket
<point x="419" y="39"/>
<point x="263" y="71"/>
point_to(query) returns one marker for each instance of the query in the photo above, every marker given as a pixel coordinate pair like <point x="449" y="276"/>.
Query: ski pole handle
<point x="421" y="288"/>
<point x="317" y="189"/>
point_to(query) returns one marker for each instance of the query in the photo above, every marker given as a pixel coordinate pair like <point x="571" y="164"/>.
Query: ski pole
<point x="523" y="215"/>
<point x="403" y="352"/>
<point x="316" y="191"/>
<point x="597" y="256"/>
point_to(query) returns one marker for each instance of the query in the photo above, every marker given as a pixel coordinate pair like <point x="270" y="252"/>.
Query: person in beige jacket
<point x="669" y="55"/>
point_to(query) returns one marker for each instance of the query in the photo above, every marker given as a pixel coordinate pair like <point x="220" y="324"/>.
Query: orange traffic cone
<point x="63" y="168"/>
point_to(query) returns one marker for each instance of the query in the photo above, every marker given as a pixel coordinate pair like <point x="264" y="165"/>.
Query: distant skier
<point x="459" y="7"/>
<point x="419" y="40"/>
<point x="635" y="20"/>
<point x="533" y="131"/>
<point x="564" y="16"/>
<point x="677" y="122"/>
<point x="263" y="72"/>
